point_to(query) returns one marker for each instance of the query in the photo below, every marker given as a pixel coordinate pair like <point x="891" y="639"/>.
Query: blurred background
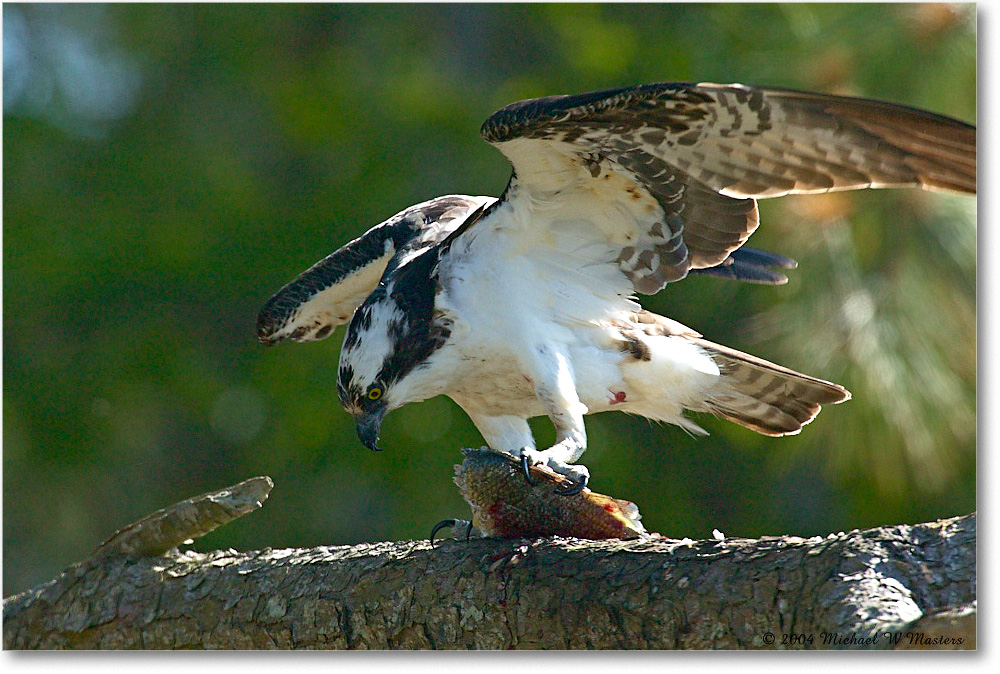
<point x="167" y="167"/>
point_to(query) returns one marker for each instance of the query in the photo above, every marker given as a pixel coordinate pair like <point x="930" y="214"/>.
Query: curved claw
<point x="443" y="524"/>
<point x="576" y="488"/>
<point x="525" y="468"/>
<point x="446" y="524"/>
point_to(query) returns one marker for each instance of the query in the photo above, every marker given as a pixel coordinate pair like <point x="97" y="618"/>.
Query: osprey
<point x="525" y="305"/>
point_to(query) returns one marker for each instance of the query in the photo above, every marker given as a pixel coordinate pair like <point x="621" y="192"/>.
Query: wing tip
<point x="276" y="324"/>
<point x="269" y="324"/>
<point x="932" y="184"/>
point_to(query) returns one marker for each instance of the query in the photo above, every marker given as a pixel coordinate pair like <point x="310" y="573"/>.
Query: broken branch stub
<point x="192" y="518"/>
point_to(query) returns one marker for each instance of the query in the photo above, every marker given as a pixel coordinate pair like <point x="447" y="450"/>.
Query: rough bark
<point x="891" y="587"/>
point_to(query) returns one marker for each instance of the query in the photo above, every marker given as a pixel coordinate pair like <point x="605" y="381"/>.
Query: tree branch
<point x="192" y="518"/>
<point x="900" y="586"/>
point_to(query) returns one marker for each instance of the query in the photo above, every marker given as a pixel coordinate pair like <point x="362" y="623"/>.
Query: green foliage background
<point x="167" y="167"/>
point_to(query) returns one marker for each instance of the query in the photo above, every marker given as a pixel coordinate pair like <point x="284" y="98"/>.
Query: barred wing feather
<point x="686" y="162"/>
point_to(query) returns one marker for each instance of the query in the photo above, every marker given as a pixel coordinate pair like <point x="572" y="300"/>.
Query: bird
<point x="527" y="305"/>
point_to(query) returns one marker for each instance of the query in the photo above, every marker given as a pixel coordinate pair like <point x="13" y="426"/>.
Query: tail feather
<point x="765" y="397"/>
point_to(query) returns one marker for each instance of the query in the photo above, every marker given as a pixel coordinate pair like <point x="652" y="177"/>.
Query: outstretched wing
<point x="326" y="294"/>
<point x="675" y="168"/>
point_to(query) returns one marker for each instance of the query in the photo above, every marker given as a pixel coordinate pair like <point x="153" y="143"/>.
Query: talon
<point x="446" y="524"/>
<point x="526" y="470"/>
<point x="576" y="487"/>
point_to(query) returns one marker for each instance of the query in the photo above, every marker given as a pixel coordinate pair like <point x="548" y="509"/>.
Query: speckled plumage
<point x="525" y="306"/>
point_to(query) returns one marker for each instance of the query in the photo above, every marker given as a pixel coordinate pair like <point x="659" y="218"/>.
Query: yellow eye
<point x="374" y="393"/>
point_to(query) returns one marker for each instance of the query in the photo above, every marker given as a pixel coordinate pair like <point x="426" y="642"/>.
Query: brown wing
<point x="690" y="159"/>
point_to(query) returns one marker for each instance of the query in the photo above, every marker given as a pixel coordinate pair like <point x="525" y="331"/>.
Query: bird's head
<point x="383" y="362"/>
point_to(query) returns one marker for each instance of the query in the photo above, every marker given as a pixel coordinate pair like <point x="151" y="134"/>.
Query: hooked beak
<point x="368" y="428"/>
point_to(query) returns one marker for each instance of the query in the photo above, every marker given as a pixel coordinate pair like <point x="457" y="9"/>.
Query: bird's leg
<point x="557" y="457"/>
<point x="555" y="388"/>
